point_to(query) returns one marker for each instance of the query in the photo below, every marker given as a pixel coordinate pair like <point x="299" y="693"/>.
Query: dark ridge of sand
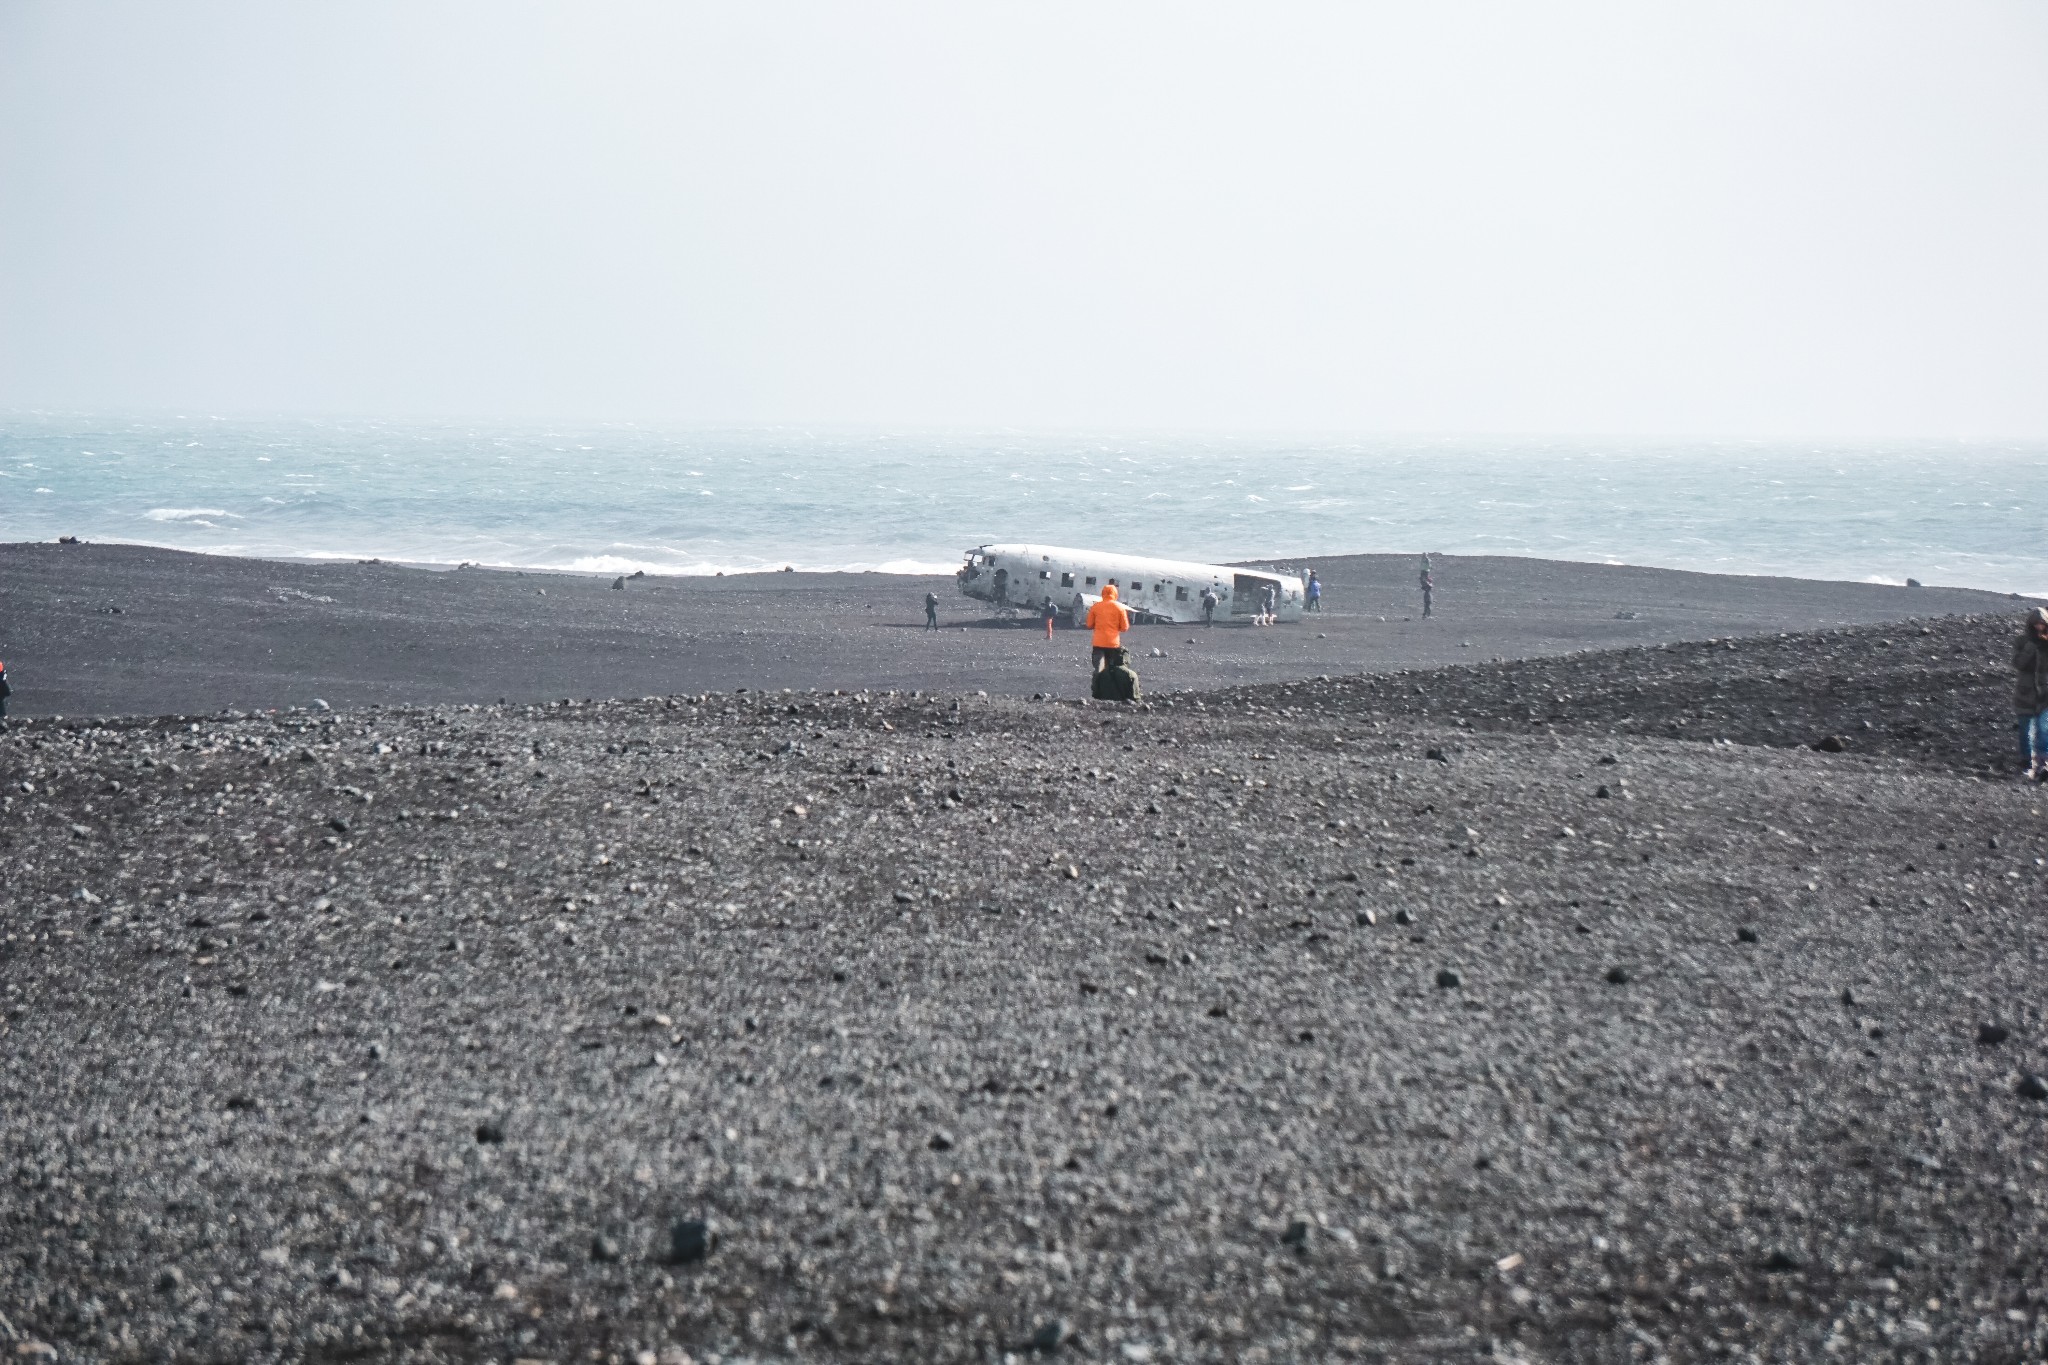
<point x="1942" y="696"/>
<point x="197" y="634"/>
<point x="1294" y="1022"/>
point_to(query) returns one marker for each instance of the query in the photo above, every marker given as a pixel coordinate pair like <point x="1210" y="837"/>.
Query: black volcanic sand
<point x="100" y="630"/>
<point x="1227" y="1028"/>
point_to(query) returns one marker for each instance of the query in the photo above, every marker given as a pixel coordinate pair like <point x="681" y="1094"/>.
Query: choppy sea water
<point x="614" y="498"/>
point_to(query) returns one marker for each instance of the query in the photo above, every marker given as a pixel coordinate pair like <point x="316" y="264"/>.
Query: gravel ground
<point x="1936" y="692"/>
<point x="1232" y="1027"/>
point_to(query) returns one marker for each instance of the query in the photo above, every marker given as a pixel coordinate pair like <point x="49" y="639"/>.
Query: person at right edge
<point x="2030" y="694"/>
<point x="6" y="691"/>
<point x="1109" y="621"/>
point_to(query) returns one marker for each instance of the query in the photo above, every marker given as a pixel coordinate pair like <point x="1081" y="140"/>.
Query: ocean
<point x="614" y="498"/>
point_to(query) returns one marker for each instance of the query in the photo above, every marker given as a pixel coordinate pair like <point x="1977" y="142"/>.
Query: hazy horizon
<point x="535" y="423"/>
<point x="1592" y="221"/>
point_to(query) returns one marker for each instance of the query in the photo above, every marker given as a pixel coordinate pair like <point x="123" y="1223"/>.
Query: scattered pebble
<point x="689" y="1241"/>
<point x="1049" y="1337"/>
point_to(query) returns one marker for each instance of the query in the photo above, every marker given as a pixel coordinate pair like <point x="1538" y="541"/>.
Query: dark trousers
<point x="931" y="620"/>
<point x="1107" y="656"/>
<point x="1425" y="601"/>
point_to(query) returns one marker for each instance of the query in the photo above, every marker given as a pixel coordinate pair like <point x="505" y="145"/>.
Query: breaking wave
<point x="626" y="499"/>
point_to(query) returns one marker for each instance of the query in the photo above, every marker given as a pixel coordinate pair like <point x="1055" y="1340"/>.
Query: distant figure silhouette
<point x="1428" y="585"/>
<point x="931" y="611"/>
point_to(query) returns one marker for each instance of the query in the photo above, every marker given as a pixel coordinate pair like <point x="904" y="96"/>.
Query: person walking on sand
<point x="1051" y="614"/>
<point x="6" y="690"/>
<point x="2030" y="694"/>
<point x="1109" y="621"/>
<point x="1315" y="592"/>
<point x="1266" y="614"/>
<point x="931" y="611"/>
<point x="1428" y="582"/>
<point x="1208" y="606"/>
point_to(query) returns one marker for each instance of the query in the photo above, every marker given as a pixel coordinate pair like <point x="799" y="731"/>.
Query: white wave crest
<point x="705" y="568"/>
<point x="185" y="513"/>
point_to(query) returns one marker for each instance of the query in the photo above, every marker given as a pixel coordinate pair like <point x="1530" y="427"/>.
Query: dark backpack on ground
<point x="1117" y="682"/>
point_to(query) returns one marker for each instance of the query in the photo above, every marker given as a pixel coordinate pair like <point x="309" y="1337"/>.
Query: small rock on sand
<point x="689" y="1241"/>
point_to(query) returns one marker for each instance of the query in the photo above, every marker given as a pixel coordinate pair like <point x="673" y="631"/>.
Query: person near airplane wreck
<point x="1208" y="606"/>
<point x="2030" y="694"/>
<point x="1109" y="621"/>
<point x="931" y="611"/>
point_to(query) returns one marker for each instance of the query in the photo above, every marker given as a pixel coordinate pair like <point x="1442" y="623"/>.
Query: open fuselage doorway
<point x="1248" y="594"/>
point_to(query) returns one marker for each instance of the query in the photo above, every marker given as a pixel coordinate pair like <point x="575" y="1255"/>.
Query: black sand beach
<point x="1567" y="1008"/>
<point x="196" y="634"/>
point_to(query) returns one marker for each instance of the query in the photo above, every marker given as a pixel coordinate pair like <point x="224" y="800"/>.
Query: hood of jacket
<point x="1109" y="592"/>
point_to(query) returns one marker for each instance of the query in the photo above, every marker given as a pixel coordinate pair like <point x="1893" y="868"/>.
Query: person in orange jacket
<point x="1109" y="621"/>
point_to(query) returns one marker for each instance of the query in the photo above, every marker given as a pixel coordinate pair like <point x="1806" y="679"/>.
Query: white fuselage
<point x="1026" y="577"/>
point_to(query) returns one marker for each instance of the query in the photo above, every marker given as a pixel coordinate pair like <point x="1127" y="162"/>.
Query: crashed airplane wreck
<point x="1024" y="578"/>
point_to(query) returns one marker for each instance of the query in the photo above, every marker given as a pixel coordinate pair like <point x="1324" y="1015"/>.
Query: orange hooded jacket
<point x="1109" y="620"/>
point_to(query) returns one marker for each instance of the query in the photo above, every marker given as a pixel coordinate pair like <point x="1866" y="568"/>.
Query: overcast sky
<point x="1761" y="218"/>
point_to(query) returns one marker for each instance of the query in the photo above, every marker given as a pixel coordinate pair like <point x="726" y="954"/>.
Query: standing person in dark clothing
<point x="1208" y="606"/>
<point x="6" y="690"/>
<point x="1428" y="582"/>
<point x="1315" y="592"/>
<point x="2030" y="694"/>
<point x="931" y="611"/>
